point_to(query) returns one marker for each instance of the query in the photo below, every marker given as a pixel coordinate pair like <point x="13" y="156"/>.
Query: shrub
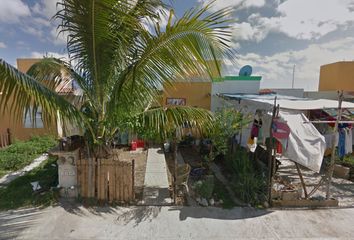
<point x="21" y="153"/>
<point x="249" y="184"/>
<point x="205" y="187"/>
<point x="19" y="192"/>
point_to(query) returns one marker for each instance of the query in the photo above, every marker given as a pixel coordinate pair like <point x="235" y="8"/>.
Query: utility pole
<point x="292" y="84"/>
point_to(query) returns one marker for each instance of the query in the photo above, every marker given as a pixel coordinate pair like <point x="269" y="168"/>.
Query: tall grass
<point x="248" y="183"/>
<point x="21" y="153"/>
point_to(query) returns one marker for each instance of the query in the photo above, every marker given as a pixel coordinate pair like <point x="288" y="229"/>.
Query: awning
<point x="293" y="103"/>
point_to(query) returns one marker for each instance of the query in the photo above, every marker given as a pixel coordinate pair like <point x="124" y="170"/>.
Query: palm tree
<point x="120" y="66"/>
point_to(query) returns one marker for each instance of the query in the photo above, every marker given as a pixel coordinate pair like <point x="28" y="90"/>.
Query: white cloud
<point x="239" y="4"/>
<point x="300" y="19"/>
<point x="253" y="3"/>
<point x="41" y="21"/>
<point x="11" y="11"/>
<point x="46" y="8"/>
<point x="2" y="45"/>
<point x="247" y="32"/>
<point x="50" y="54"/>
<point x="37" y="32"/>
<point x="277" y="69"/>
<point x="58" y="38"/>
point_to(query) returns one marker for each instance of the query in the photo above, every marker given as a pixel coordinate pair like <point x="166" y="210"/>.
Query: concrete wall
<point x="337" y="76"/>
<point x="14" y="120"/>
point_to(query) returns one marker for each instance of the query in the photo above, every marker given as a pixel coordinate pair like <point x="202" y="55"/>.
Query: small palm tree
<point x="120" y="66"/>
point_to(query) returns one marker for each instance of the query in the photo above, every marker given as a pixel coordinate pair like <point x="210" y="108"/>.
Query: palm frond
<point x="192" y="46"/>
<point x="167" y="120"/>
<point x="20" y="92"/>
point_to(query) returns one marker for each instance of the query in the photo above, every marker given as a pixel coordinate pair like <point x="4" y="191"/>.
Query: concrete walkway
<point x="156" y="184"/>
<point x="13" y="175"/>
<point x="183" y="223"/>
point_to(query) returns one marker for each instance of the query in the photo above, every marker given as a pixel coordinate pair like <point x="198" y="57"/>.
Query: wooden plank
<point x="123" y="183"/>
<point x="106" y="182"/>
<point x="83" y="179"/>
<point x="118" y="182"/>
<point x="111" y="182"/>
<point x="80" y="170"/>
<point x="133" y="180"/>
<point x="99" y="179"/>
<point x="103" y="180"/>
<point x="94" y="174"/>
<point x="86" y="179"/>
<point x="116" y="179"/>
<point x="126" y="182"/>
<point x="121" y="197"/>
<point x="301" y="179"/>
<point x="78" y="176"/>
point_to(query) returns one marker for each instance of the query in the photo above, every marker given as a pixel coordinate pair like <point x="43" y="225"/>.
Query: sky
<point x="272" y="36"/>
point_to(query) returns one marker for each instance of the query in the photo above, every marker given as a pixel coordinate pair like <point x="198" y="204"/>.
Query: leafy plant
<point x="248" y="184"/>
<point x="19" y="192"/>
<point x="205" y="187"/>
<point x="21" y="153"/>
<point x="227" y="123"/>
<point x="221" y="193"/>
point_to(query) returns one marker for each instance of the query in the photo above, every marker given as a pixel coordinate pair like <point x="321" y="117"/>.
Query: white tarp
<point x="306" y="145"/>
<point x="288" y="102"/>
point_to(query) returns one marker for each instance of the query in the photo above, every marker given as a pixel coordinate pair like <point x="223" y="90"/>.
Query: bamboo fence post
<point x="270" y="154"/>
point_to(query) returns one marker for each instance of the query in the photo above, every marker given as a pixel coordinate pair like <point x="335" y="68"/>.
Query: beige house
<point x="21" y="124"/>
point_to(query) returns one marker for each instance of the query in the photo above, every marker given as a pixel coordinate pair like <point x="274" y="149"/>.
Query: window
<point x="176" y="101"/>
<point x="29" y="121"/>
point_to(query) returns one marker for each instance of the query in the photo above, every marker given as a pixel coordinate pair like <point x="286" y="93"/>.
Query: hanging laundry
<point x="341" y="143"/>
<point x="257" y="124"/>
<point x="252" y="144"/>
<point x="280" y="130"/>
<point x="348" y="141"/>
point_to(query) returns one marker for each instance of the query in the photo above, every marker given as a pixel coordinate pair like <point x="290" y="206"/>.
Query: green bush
<point x="205" y="187"/>
<point x="21" y="153"/>
<point x="221" y="193"/>
<point x="19" y="192"/>
<point x="248" y="184"/>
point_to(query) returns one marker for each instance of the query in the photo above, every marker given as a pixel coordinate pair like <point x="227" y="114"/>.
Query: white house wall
<point x="231" y="86"/>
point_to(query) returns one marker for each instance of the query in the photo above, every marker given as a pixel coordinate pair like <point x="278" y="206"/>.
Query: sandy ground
<point x="76" y="222"/>
<point x="341" y="189"/>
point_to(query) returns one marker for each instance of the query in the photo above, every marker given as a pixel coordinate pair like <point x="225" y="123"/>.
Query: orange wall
<point x="197" y="94"/>
<point x="14" y="121"/>
<point x="337" y="76"/>
<point x="24" y="64"/>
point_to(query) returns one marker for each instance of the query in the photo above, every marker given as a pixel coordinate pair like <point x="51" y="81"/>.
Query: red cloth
<point x="280" y="130"/>
<point x="134" y="145"/>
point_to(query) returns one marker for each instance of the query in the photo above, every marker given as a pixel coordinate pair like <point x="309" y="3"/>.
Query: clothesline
<point x="329" y="122"/>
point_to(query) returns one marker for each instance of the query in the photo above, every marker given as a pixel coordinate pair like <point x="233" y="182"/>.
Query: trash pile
<point x="284" y="190"/>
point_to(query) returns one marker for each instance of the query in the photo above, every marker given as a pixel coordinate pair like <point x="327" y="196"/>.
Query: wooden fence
<point x="112" y="180"/>
<point x="5" y="138"/>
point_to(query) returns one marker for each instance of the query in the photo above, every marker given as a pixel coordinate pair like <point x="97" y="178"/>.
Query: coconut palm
<point x="120" y="65"/>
